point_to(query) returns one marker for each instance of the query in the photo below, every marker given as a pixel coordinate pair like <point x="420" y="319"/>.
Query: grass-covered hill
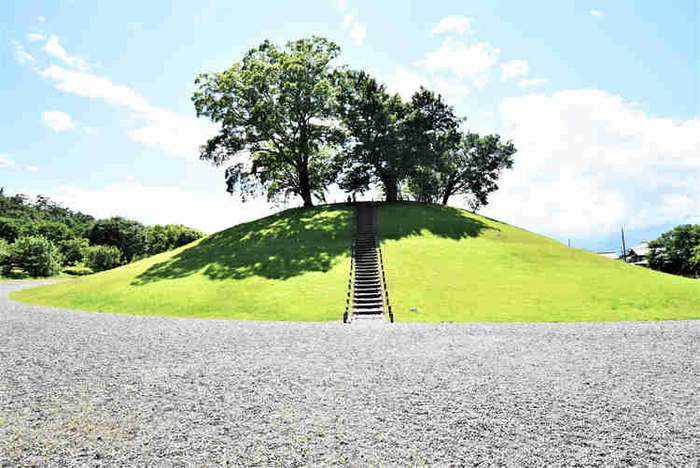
<point x="448" y="264"/>
<point x="453" y="265"/>
<point x="290" y="266"/>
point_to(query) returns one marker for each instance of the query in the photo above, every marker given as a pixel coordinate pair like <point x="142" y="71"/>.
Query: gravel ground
<point x="90" y="389"/>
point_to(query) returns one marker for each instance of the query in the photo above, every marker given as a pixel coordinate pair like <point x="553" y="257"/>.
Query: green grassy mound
<point x="452" y="265"/>
<point x="290" y="266"/>
<point x="448" y="264"/>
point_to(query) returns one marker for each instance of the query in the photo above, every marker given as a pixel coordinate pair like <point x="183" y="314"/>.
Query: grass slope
<point x="290" y="266"/>
<point x="449" y="264"/>
<point x="456" y="266"/>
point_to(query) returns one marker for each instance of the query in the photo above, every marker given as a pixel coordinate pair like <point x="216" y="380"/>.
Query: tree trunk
<point x="445" y="197"/>
<point x="392" y="189"/>
<point x="305" y="188"/>
<point x="449" y="187"/>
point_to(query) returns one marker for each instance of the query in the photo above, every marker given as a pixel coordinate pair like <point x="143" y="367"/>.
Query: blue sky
<point x="600" y="98"/>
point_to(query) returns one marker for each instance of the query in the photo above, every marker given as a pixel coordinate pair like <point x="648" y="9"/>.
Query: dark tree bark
<point x="305" y="188"/>
<point x="391" y="188"/>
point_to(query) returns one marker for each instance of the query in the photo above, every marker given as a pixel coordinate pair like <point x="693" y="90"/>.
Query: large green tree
<point x="373" y="119"/>
<point x="126" y="235"/>
<point x="473" y="168"/>
<point x="390" y="140"/>
<point x="276" y="110"/>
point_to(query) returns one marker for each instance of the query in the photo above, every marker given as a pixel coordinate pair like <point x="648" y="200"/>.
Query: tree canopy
<point x="293" y="122"/>
<point x="66" y="234"/>
<point x="474" y="167"/>
<point x="677" y="251"/>
<point x="276" y="106"/>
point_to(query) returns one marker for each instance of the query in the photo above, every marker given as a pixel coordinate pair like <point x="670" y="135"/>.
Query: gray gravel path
<point x="90" y="389"/>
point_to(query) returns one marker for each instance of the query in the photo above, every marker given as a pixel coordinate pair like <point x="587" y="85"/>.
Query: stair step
<point x="369" y="311"/>
<point x="373" y="295"/>
<point x="365" y="299"/>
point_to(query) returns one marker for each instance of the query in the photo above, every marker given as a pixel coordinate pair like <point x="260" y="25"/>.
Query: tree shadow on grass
<point x="300" y="240"/>
<point x="396" y="222"/>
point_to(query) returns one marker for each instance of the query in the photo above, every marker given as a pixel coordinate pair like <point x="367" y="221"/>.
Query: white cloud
<point x="35" y="37"/>
<point x="455" y="57"/>
<point x="453" y="23"/>
<point x="531" y="82"/>
<point x="514" y="69"/>
<point x="5" y="161"/>
<point x="92" y="86"/>
<point x="589" y="162"/>
<point x="351" y="22"/>
<point x="53" y="47"/>
<point x="58" y="121"/>
<point x="32" y="168"/>
<point x="596" y="13"/>
<point x="19" y="53"/>
<point x="405" y="83"/>
<point x="207" y="211"/>
<point x="171" y="132"/>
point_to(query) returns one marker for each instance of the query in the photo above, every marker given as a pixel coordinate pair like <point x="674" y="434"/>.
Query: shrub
<point x="4" y="252"/>
<point x="15" y="273"/>
<point x="128" y="236"/>
<point x="78" y="270"/>
<point x="36" y="255"/>
<point x="102" y="257"/>
<point x="9" y="229"/>
<point x="73" y="250"/>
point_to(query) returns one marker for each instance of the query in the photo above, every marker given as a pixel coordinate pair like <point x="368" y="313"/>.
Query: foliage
<point x="70" y="231"/>
<point x="127" y="235"/>
<point x="472" y="168"/>
<point x="373" y="119"/>
<point x="274" y="108"/>
<point x="161" y="238"/>
<point x="15" y="273"/>
<point x="54" y="231"/>
<point x="36" y="255"/>
<point x="4" y="252"/>
<point x="9" y="229"/>
<point x="28" y="215"/>
<point x="677" y="251"/>
<point x="78" y="270"/>
<point x="388" y="140"/>
<point x="73" y="250"/>
<point x="102" y="257"/>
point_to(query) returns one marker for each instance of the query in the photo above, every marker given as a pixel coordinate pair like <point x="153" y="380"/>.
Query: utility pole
<point x="624" y="247"/>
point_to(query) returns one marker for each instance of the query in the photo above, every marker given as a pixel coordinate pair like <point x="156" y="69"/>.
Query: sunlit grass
<point x="290" y="266"/>
<point x="448" y="264"/>
<point x="488" y="271"/>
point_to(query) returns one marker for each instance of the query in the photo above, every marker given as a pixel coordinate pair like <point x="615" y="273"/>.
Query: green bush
<point x="78" y="270"/>
<point x="4" y="252"/>
<point x="36" y="255"/>
<point x="15" y="273"/>
<point x="102" y="257"/>
<point x="9" y="229"/>
<point x="73" y="250"/>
